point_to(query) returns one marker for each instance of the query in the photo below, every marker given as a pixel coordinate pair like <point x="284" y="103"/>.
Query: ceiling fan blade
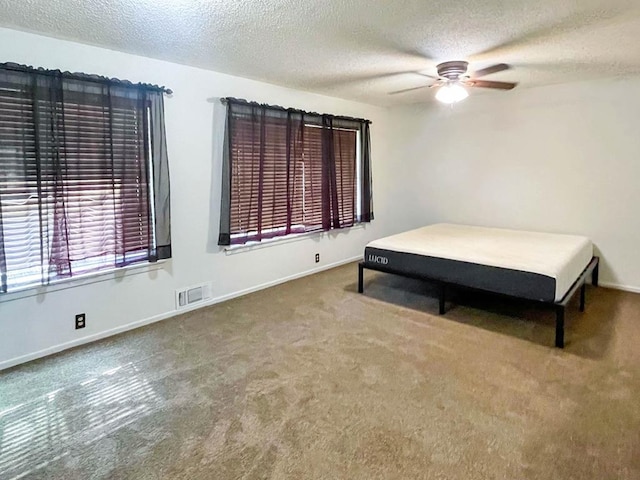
<point x="339" y="80"/>
<point x="490" y="84"/>
<point x="500" y="67"/>
<point x="427" y="75"/>
<point x="409" y="89"/>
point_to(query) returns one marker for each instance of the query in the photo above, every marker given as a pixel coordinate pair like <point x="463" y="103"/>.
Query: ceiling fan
<point x="452" y="78"/>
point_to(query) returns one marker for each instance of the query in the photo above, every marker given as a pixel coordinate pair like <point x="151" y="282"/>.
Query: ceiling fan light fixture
<point x="451" y="93"/>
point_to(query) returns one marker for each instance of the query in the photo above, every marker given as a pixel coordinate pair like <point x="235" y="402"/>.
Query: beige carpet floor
<point x="310" y="380"/>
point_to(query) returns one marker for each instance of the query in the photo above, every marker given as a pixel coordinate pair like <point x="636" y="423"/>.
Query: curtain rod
<point x="242" y="101"/>
<point x="16" y="67"/>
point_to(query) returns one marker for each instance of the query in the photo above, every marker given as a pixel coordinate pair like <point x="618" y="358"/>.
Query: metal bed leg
<point x="583" y="294"/>
<point x="560" y="326"/>
<point x="442" y="294"/>
<point x="360" y="278"/>
<point x="595" y="274"/>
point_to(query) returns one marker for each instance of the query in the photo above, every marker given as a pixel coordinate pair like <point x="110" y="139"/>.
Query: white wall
<point x="43" y="322"/>
<point x="563" y="158"/>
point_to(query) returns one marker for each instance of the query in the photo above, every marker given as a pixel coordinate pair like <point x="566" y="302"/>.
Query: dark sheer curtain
<point x="83" y="176"/>
<point x="262" y="174"/>
<point x="288" y="171"/>
<point x="366" y="198"/>
<point x="161" y="250"/>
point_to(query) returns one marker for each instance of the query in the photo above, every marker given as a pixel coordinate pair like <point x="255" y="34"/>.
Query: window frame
<point x="142" y="101"/>
<point x="266" y="157"/>
<point x="307" y="233"/>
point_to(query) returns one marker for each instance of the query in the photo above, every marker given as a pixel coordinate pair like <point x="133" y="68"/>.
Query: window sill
<point x="86" y="279"/>
<point x="296" y="237"/>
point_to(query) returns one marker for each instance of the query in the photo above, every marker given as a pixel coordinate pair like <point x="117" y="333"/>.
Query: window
<point x="287" y="171"/>
<point x="83" y="175"/>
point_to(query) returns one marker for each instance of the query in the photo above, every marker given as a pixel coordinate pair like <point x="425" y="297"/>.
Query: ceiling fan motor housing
<point x="452" y="70"/>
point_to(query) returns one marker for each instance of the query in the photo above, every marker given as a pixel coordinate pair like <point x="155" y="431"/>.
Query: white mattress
<point x="562" y="257"/>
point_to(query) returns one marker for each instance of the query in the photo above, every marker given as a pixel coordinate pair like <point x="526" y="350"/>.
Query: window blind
<point x="76" y="177"/>
<point x="287" y="171"/>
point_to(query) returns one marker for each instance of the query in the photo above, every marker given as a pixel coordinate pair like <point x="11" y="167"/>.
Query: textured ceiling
<point x="356" y="49"/>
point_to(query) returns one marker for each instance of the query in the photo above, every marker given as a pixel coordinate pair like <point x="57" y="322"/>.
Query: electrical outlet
<point x="81" y="320"/>
<point x="317" y="258"/>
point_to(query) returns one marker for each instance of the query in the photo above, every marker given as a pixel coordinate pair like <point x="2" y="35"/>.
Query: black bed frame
<point x="591" y="269"/>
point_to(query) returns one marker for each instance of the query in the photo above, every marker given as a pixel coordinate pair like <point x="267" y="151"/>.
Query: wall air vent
<point x="193" y="295"/>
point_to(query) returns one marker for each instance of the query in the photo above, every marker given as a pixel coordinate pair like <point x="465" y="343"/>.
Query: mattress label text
<point x="378" y="259"/>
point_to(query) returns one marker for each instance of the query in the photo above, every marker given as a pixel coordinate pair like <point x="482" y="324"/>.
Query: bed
<point x="541" y="267"/>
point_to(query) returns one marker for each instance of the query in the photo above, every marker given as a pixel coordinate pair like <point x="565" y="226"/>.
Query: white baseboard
<point x="616" y="286"/>
<point x="163" y="316"/>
